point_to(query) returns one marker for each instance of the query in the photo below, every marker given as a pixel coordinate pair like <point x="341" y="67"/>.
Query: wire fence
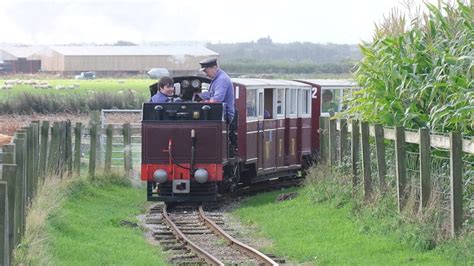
<point x="422" y="166"/>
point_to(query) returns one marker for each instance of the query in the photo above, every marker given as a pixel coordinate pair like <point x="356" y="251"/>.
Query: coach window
<point x="330" y="100"/>
<point x="268" y="104"/>
<point x="251" y="103"/>
<point x="260" y="104"/>
<point x="305" y="102"/>
<point x="280" y="102"/>
<point x="292" y="102"/>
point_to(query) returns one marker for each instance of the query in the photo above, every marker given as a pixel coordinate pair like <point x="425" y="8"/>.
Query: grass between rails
<point x="324" y="228"/>
<point x="84" y="228"/>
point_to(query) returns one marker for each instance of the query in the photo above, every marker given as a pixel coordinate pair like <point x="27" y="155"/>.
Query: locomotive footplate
<point x="182" y="191"/>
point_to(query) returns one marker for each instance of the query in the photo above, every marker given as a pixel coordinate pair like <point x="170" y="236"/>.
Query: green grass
<point x="85" y="86"/>
<point x="320" y="233"/>
<point x="90" y="95"/>
<point x="86" y="230"/>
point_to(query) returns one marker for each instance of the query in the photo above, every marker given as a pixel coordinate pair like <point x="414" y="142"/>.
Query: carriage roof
<point x="268" y="83"/>
<point x="331" y="82"/>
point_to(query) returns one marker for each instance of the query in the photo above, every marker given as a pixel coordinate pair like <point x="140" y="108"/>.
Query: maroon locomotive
<point x="187" y="154"/>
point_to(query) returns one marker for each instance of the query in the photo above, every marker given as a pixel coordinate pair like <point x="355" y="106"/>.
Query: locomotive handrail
<point x="205" y="255"/>
<point x="249" y="251"/>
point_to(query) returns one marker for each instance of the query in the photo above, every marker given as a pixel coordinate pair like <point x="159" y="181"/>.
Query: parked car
<point x="4" y="67"/>
<point x="156" y="73"/>
<point x="86" y="75"/>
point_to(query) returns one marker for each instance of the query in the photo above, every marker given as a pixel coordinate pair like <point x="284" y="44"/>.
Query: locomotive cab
<point x="187" y="88"/>
<point x="184" y="146"/>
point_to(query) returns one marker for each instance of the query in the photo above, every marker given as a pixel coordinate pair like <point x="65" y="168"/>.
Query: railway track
<point x="193" y="237"/>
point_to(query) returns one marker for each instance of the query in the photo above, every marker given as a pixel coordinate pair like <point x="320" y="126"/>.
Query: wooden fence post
<point x="401" y="167"/>
<point x="425" y="166"/>
<point x="68" y="148"/>
<point x="456" y="166"/>
<point x="35" y="150"/>
<point x="332" y="141"/>
<point x="380" y="149"/>
<point x="29" y="163"/>
<point x="108" y="147"/>
<point x="43" y="149"/>
<point x="367" y="173"/>
<point x="62" y="160"/>
<point x="9" y="153"/>
<point x="53" y="156"/>
<point x="355" y="151"/>
<point x="127" y="148"/>
<point x="20" y="188"/>
<point x="95" y="118"/>
<point x="77" y="148"/>
<point x="92" y="150"/>
<point x="4" y="247"/>
<point x="343" y="140"/>
<point x="324" y="139"/>
<point x="9" y="176"/>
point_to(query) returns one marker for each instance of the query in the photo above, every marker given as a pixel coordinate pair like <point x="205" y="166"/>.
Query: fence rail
<point x="413" y="166"/>
<point x="56" y="150"/>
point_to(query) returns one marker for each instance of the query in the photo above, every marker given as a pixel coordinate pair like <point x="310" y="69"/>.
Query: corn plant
<point x="419" y="74"/>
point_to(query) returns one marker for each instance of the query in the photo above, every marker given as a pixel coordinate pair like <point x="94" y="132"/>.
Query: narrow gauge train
<point x="186" y="151"/>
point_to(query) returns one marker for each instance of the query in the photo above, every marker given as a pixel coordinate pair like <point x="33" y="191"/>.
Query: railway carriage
<point x="275" y="130"/>
<point x="190" y="153"/>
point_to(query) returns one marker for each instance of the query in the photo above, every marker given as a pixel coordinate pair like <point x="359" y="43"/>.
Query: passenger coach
<point x="274" y="129"/>
<point x="186" y="149"/>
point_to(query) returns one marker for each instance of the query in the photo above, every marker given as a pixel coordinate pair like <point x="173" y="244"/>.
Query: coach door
<point x="252" y="126"/>
<point x="279" y="108"/>
<point x="291" y="127"/>
<point x="270" y="138"/>
<point x="304" y="123"/>
<point x="260" y="128"/>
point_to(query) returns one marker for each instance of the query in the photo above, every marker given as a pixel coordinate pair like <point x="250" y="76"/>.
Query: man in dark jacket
<point x="221" y="88"/>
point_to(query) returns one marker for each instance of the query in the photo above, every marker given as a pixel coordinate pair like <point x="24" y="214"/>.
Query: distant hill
<point x="291" y="52"/>
<point x="264" y="56"/>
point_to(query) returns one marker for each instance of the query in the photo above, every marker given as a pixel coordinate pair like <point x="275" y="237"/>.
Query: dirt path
<point x="10" y="123"/>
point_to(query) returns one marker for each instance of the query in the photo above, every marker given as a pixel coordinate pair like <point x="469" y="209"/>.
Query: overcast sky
<point x="105" y="21"/>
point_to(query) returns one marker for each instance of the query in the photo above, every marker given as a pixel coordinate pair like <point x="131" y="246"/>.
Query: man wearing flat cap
<point x="221" y="88"/>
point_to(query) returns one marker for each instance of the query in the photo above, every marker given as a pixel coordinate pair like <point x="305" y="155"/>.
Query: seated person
<point x="267" y="115"/>
<point x="165" y="93"/>
<point x="328" y="106"/>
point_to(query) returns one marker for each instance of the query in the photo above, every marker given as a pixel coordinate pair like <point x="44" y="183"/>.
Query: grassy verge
<point x="91" y="224"/>
<point x="325" y="226"/>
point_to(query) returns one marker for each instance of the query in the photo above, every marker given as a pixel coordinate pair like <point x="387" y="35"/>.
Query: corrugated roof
<point x="249" y="82"/>
<point x="193" y="50"/>
<point x="20" y="51"/>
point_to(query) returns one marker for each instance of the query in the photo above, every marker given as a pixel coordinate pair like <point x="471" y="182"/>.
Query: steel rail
<point x="249" y="251"/>
<point x="178" y="234"/>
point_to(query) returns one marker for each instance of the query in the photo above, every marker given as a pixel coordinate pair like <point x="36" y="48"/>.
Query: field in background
<point x="52" y="96"/>
<point x="72" y="86"/>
